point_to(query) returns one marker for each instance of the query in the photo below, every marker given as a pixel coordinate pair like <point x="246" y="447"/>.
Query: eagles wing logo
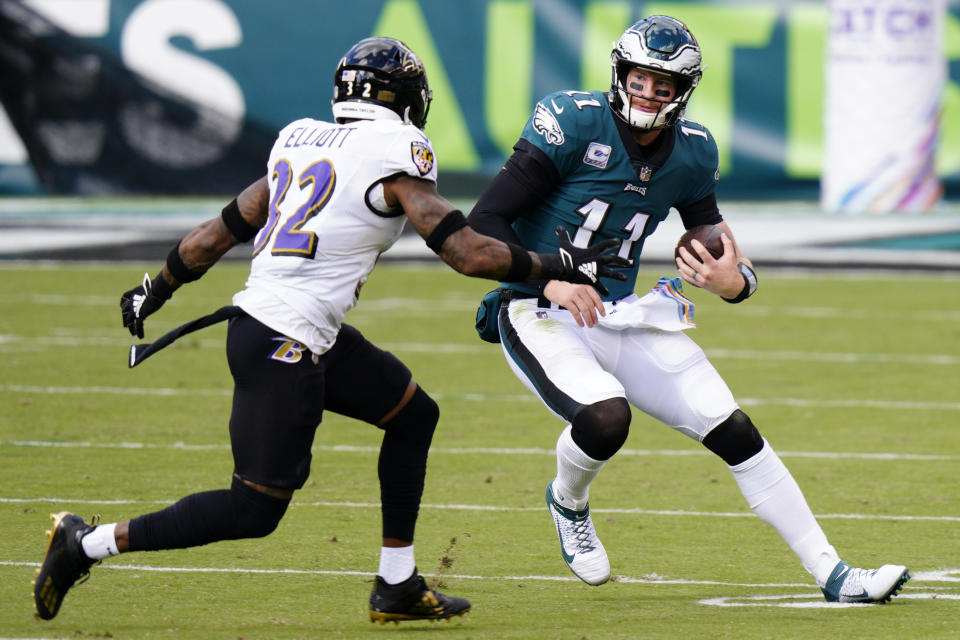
<point x="422" y="156"/>
<point x="545" y="123"/>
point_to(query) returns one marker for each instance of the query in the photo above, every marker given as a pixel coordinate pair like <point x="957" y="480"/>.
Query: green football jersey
<point x="603" y="193"/>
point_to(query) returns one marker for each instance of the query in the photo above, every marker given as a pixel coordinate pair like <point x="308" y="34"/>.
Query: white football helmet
<point x="664" y="45"/>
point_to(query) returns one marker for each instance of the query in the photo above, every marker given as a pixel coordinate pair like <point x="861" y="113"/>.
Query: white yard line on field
<point x="851" y="403"/>
<point x="633" y="511"/>
<point x="367" y="574"/>
<point x="124" y="391"/>
<point x="463" y="304"/>
<point x="815" y="601"/>
<point x="846" y="313"/>
<point x="504" y="509"/>
<point x="917" y="577"/>
<point x="845" y="358"/>
<point x="78" y="339"/>
<point x="520" y="451"/>
<point x="896" y="405"/>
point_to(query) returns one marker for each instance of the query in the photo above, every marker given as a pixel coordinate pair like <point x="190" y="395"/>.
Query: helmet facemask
<point x="670" y="110"/>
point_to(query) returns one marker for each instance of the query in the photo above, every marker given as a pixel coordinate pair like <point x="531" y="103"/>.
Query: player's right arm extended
<point x="197" y="252"/>
<point x="447" y="233"/>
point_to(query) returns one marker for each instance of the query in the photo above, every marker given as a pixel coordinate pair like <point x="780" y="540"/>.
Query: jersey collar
<point x="648" y="159"/>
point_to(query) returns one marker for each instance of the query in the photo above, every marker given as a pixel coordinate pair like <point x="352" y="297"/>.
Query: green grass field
<point x="852" y="378"/>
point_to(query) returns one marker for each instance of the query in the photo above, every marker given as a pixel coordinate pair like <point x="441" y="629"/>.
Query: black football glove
<point x="137" y="304"/>
<point x="587" y="266"/>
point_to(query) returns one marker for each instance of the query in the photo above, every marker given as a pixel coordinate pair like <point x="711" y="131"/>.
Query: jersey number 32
<point x="284" y="233"/>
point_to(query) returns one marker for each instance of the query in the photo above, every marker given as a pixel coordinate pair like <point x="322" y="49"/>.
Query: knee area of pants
<point x="256" y="513"/>
<point x="602" y="428"/>
<point x="735" y="439"/>
<point x="426" y="408"/>
<point x="418" y="418"/>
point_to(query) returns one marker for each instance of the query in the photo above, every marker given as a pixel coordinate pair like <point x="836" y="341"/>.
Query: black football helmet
<point x="380" y="77"/>
<point x="664" y="45"/>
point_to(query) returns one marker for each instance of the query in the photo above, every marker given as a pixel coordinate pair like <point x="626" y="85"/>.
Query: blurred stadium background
<point x="125" y="122"/>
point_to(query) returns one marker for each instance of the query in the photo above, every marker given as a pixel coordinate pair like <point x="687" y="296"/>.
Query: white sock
<point x="773" y="495"/>
<point x="396" y="564"/>
<point x="575" y="471"/>
<point x="100" y="543"/>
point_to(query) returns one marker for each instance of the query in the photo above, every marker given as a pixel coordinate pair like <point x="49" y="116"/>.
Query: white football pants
<point x="664" y="374"/>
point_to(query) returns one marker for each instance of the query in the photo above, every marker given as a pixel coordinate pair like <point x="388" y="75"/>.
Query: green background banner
<point x="488" y="61"/>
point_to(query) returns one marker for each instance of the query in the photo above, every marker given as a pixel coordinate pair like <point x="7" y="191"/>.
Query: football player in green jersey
<point x="612" y="165"/>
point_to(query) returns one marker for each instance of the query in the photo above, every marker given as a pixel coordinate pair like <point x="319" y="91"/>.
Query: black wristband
<point x="520" y="264"/>
<point x="551" y="266"/>
<point x="235" y="223"/>
<point x="451" y="223"/>
<point x="160" y="288"/>
<point x="749" y="284"/>
<point x="178" y="269"/>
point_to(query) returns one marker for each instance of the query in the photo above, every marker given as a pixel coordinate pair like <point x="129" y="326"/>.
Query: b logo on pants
<point x="289" y="351"/>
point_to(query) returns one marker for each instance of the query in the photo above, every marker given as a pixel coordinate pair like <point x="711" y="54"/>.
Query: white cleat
<point x="848" y="584"/>
<point x="581" y="549"/>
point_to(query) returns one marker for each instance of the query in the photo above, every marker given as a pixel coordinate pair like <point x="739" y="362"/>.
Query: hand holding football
<point x="708" y="235"/>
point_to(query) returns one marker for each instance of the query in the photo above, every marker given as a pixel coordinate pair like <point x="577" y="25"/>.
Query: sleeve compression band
<point x="235" y="223"/>
<point x="520" y="264"/>
<point x="704" y="211"/>
<point x="161" y="288"/>
<point x="178" y="269"/>
<point x="451" y="223"/>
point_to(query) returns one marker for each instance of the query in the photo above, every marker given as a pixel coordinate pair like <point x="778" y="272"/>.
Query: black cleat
<point x="63" y="564"/>
<point x="412" y="600"/>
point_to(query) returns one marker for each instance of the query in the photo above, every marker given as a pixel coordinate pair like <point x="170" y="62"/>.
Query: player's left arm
<point x="199" y="250"/>
<point x="731" y="276"/>
<point x="206" y="244"/>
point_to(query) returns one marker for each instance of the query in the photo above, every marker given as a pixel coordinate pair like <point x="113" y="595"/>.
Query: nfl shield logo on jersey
<point x="597" y="155"/>
<point x="422" y="156"/>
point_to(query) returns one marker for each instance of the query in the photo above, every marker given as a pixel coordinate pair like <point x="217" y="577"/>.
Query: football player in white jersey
<point x="613" y="165"/>
<point x="335" y="196"/>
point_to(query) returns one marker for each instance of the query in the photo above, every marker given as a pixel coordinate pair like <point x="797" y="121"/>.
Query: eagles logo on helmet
<point x="663" y="45"/>
<point x="381" y="78"/>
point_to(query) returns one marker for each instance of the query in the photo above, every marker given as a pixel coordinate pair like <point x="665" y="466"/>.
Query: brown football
<point x="709" y="237"/>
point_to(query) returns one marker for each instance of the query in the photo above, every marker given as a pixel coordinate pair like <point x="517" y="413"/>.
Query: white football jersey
<point x="328" y="222"/>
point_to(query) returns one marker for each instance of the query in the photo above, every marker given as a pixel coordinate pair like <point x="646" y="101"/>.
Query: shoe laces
<point x="853" y="583"/>
<point x="581" y="530"/>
